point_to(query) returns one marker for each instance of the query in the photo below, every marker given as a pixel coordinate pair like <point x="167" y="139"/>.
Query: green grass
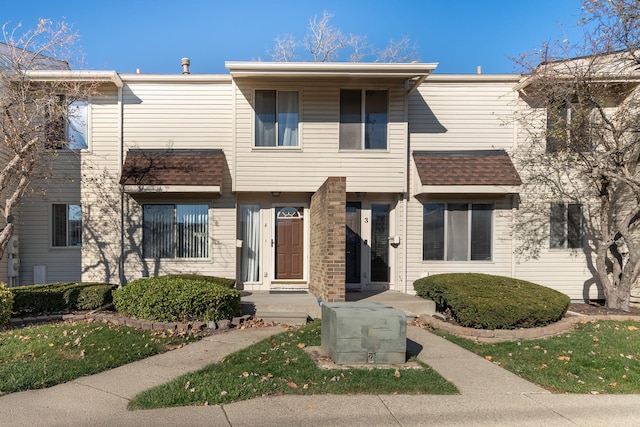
<point x="596" y="357"/>
<point x="279" y="365"/>
<point x="45" y="355"/>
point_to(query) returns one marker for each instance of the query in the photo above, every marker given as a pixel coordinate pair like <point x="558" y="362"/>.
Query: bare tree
<point x="284" y="48"/>
<point x="401" y="51"/>
<point x="583" y="124"/>
<point x="35" y="111"/>
<point x="326" y="43"/>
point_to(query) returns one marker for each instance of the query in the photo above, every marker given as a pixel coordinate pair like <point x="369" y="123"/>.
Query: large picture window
<point x="66" y="225"/>
<point x="277" y="117"/>
<point x="565" y="226"/>
<point x="363" y="119"/>
<point x="457" y="232"/>
<point x="67" y="124"/>
<point x="175" y="231"/>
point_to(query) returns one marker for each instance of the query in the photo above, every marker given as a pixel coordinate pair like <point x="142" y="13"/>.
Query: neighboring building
<point x="319" y="176"/>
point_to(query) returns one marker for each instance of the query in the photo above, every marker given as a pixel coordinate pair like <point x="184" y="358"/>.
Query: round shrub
<point x="6" y="304"/>
<point x="493" y="302"/>
<point x="176" y="299"/>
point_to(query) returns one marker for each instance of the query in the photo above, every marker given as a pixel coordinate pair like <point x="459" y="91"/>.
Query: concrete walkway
<point x="488" y="396"/>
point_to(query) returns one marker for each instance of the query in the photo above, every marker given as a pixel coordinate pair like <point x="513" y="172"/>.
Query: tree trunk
<point x="618" y="296"/>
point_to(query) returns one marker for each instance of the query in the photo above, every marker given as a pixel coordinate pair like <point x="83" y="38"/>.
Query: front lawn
<point x="45" y="355"/>
<point x="597" y="357"/>
<point x="279" y="365"/>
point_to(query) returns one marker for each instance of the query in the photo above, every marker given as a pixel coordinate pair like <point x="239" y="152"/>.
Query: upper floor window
<point x="277" y="118"/>
<point x="364" y="115"/>
<point x="568" y="126"/>
<point x="66" y="225"/>
<point x="66" y="126"/>
<point x="566" y="223"/>
<point x="457" y="232"/>
<point x="175" y="231"/>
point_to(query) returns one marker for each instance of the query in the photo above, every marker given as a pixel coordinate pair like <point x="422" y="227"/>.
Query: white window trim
<point x="208" y="259"/>
<point x="363" y="106"/>
<point x="67" y="247"/>
<point x="88" y="135"/>
<point x="298" y="147"/>
<point x="446" y="227"/>
<point x="566" y="247"/>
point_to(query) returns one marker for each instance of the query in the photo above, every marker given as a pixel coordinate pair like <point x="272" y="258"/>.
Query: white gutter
<point x="177" y="78"/>
<point x="329" y="69"/>
<point x="74" y="76"/>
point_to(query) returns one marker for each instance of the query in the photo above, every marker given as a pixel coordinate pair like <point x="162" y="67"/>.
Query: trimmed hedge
<point x="222" y="281"/>
<point x="482" y="301"/>
<point x="6" y="304"/>
<point x="57" y="297"/>
<point x="177" y="299"/>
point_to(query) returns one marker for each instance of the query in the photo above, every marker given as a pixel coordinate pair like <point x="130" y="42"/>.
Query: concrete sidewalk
<point x="489" y="396"/>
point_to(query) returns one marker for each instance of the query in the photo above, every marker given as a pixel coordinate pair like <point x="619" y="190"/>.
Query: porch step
<point x="410" y="304"/>
<point x="293" y="318"/>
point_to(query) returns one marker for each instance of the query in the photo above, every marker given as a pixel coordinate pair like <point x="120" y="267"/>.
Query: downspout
<point x="514" y="197"/>
<point x="405" y="193"/>
<point x="120" y="163"/>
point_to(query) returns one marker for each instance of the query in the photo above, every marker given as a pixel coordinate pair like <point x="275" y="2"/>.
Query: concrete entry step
<point x="293" y="318"/>
<point x="412" y="305"/>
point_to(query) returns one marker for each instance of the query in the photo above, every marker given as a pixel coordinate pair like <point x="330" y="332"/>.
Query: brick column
<point x="328" y="238"/>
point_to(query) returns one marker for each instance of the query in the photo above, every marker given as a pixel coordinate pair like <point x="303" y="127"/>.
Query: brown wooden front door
<point x="289" y="248"/>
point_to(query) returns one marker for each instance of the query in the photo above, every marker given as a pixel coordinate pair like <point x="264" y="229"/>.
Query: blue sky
<point x="152" y="35"/>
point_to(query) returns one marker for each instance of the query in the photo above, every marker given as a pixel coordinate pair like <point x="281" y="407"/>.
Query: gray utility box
<point x="355" y="333"/>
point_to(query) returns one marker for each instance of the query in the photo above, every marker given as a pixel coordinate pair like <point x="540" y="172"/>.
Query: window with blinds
<point x="175" y="231"/>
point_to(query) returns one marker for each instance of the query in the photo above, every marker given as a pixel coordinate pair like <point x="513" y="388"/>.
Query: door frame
<point x="365" y="250"/>
<point x="273" y="224"/>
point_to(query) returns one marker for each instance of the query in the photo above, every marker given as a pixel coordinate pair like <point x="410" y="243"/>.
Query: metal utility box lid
<point x="356" y="333"/>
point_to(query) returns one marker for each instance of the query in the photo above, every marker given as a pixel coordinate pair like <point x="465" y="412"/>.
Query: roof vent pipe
<point x="479" y="69"/>
<point x="185" y="66"/>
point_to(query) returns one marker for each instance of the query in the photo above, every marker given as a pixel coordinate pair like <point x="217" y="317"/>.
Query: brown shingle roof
<point x="481" y="167"/>
<point x="173" y="167"/>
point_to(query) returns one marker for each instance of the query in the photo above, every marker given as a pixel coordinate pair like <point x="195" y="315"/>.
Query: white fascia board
<point x="172" y="189"/>
<point x="176" y="78"/>
<point x="467" y="189"/>
<point x="75" y="76"/>
<point x="329" y="69"/>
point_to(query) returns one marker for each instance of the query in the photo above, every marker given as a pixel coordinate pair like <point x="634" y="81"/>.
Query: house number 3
<point x="366" y="220"/>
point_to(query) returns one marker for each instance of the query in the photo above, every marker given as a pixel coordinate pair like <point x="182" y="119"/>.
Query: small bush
<point x="493" y="302"/>
<point x="177" y="299"/>
<point x="57" y="297"/>
<point x="96" y="296"/>
<point x="6" y="304"/>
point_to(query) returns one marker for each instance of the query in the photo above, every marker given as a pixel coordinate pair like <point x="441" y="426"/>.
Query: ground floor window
<point x="565" y="226"/>
<point x="457" y="232"/>
<point x="250" y="235"/>
<point x="66" y="225"/>
<point x="175" y="231"/>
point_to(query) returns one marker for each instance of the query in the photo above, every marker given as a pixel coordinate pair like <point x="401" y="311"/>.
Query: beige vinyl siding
<point x="465" y="115"/>
<point x="306" y="167"/>
<point x="62" y="263"/>
<point x="178" y="115"/>
<point x="175" y="115"/>
<point x="101" y="190"/>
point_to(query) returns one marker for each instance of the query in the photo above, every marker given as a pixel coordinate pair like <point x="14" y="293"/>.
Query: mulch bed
<point x="598" y="309"/>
